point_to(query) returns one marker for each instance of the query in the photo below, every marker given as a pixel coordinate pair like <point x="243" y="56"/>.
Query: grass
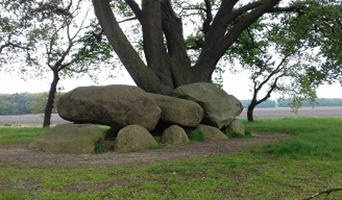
<point x="292" y="169"/>
<point x="157" y="147"/>
<point x="315" y="137"/>
<point x="100" y="147"/>
<point x="196" y="135"/>
<point x="10" y="135"/>
<point x="247" y="134"/>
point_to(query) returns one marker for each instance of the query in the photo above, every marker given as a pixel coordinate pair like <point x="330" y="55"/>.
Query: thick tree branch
<point x="129" y="57"/>
<point x="236" y="13"/>
<point x="285" y="9"/>
<point x="154" y="49"/>
<point x="250" y="18"/>
<point x="173" y="30"/>
<point x="217" y="41"/>
<point x="209" y="16"/>
<point x="135" y="8"/>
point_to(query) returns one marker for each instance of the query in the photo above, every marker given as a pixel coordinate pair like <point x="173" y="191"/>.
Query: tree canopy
<point x="172" y="56"/>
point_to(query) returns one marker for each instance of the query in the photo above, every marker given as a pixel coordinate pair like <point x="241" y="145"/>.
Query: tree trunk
<point x="250" y="110"/>
<point x="168" y="66"/>
<point x="51" y="100"/>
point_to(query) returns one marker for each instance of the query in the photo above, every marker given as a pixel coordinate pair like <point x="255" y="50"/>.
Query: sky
<point x="235" y="84"/>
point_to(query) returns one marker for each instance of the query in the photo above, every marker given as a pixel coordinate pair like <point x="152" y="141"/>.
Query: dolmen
<point x="138" y="119"/>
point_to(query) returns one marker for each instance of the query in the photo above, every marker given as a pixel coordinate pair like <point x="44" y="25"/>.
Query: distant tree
<point x="285" y="58"/>
<point x="38" y="101"/>
<point x="63" y="40"/>
<point x="24" y="103"/>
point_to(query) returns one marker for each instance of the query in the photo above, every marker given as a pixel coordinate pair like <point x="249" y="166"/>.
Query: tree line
<point x="289" y="103"/>
<point x="24" y="103"/>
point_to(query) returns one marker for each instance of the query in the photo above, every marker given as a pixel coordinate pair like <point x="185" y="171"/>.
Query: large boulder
<point x="114" y="105"/>
<point x="178" y="111"/>
<point x="174" y="135"/>
<point x="220" y="108"/>
<point x="133" y="138"/>
<point x="211" y="133"/>
<point x="69" y="139"/>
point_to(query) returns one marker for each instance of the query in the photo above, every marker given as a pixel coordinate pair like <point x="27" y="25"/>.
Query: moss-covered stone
<point x="69" y="139"/>
<point x="178" y="111"/>
<point x="112" y="105"/>
<point x="174" y="135"/>
<point x="236" y="127"/>
<point x="133" y="138"/>
<point x="219" y="107"/>
<point x="211" y="133"/>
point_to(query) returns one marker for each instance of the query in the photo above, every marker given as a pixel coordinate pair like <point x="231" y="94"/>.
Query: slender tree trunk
<point x="250" y="110"/>
<point x="51" y="100"/>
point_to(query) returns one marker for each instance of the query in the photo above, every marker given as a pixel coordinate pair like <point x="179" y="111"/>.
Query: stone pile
<point x="135" y="116"/>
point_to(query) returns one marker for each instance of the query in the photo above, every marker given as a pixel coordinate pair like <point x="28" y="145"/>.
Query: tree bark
<point x="51" y="100"/>
<point x="168" y="66"/>
<point x="180" y="65"/>
<point x="217" y="41"/>
<point x="141" y="74"/>
<point x="153" y="40"/>
<point x="250" y="111"/>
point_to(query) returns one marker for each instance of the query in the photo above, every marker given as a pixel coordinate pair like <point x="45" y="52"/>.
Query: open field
<point x="287" y="168"/>
<point x="260" y="113"/>
<point x="270" y="113"/>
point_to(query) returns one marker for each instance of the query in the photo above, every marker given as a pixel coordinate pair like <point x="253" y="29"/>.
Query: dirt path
<point x="19" y="153"/>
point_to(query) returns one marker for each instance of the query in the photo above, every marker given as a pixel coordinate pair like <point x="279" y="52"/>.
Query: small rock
<point x="211" y="133"/>
<point x="174" y="135"/>
<point x="236" y="127"/>
<point x="133" y="138"/>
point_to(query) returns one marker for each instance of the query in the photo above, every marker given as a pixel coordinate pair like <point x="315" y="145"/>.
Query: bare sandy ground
<point x="260" y="113"/>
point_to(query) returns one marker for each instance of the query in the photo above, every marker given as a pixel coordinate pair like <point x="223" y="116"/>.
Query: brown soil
<point x="20" y="153"/>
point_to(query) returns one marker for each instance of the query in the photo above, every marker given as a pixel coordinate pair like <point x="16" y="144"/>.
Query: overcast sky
<point x="235" y="84"/>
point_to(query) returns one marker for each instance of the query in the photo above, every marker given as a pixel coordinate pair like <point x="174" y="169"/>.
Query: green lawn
<point x="9" y="135"/>
<point x="299" y="167"/>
